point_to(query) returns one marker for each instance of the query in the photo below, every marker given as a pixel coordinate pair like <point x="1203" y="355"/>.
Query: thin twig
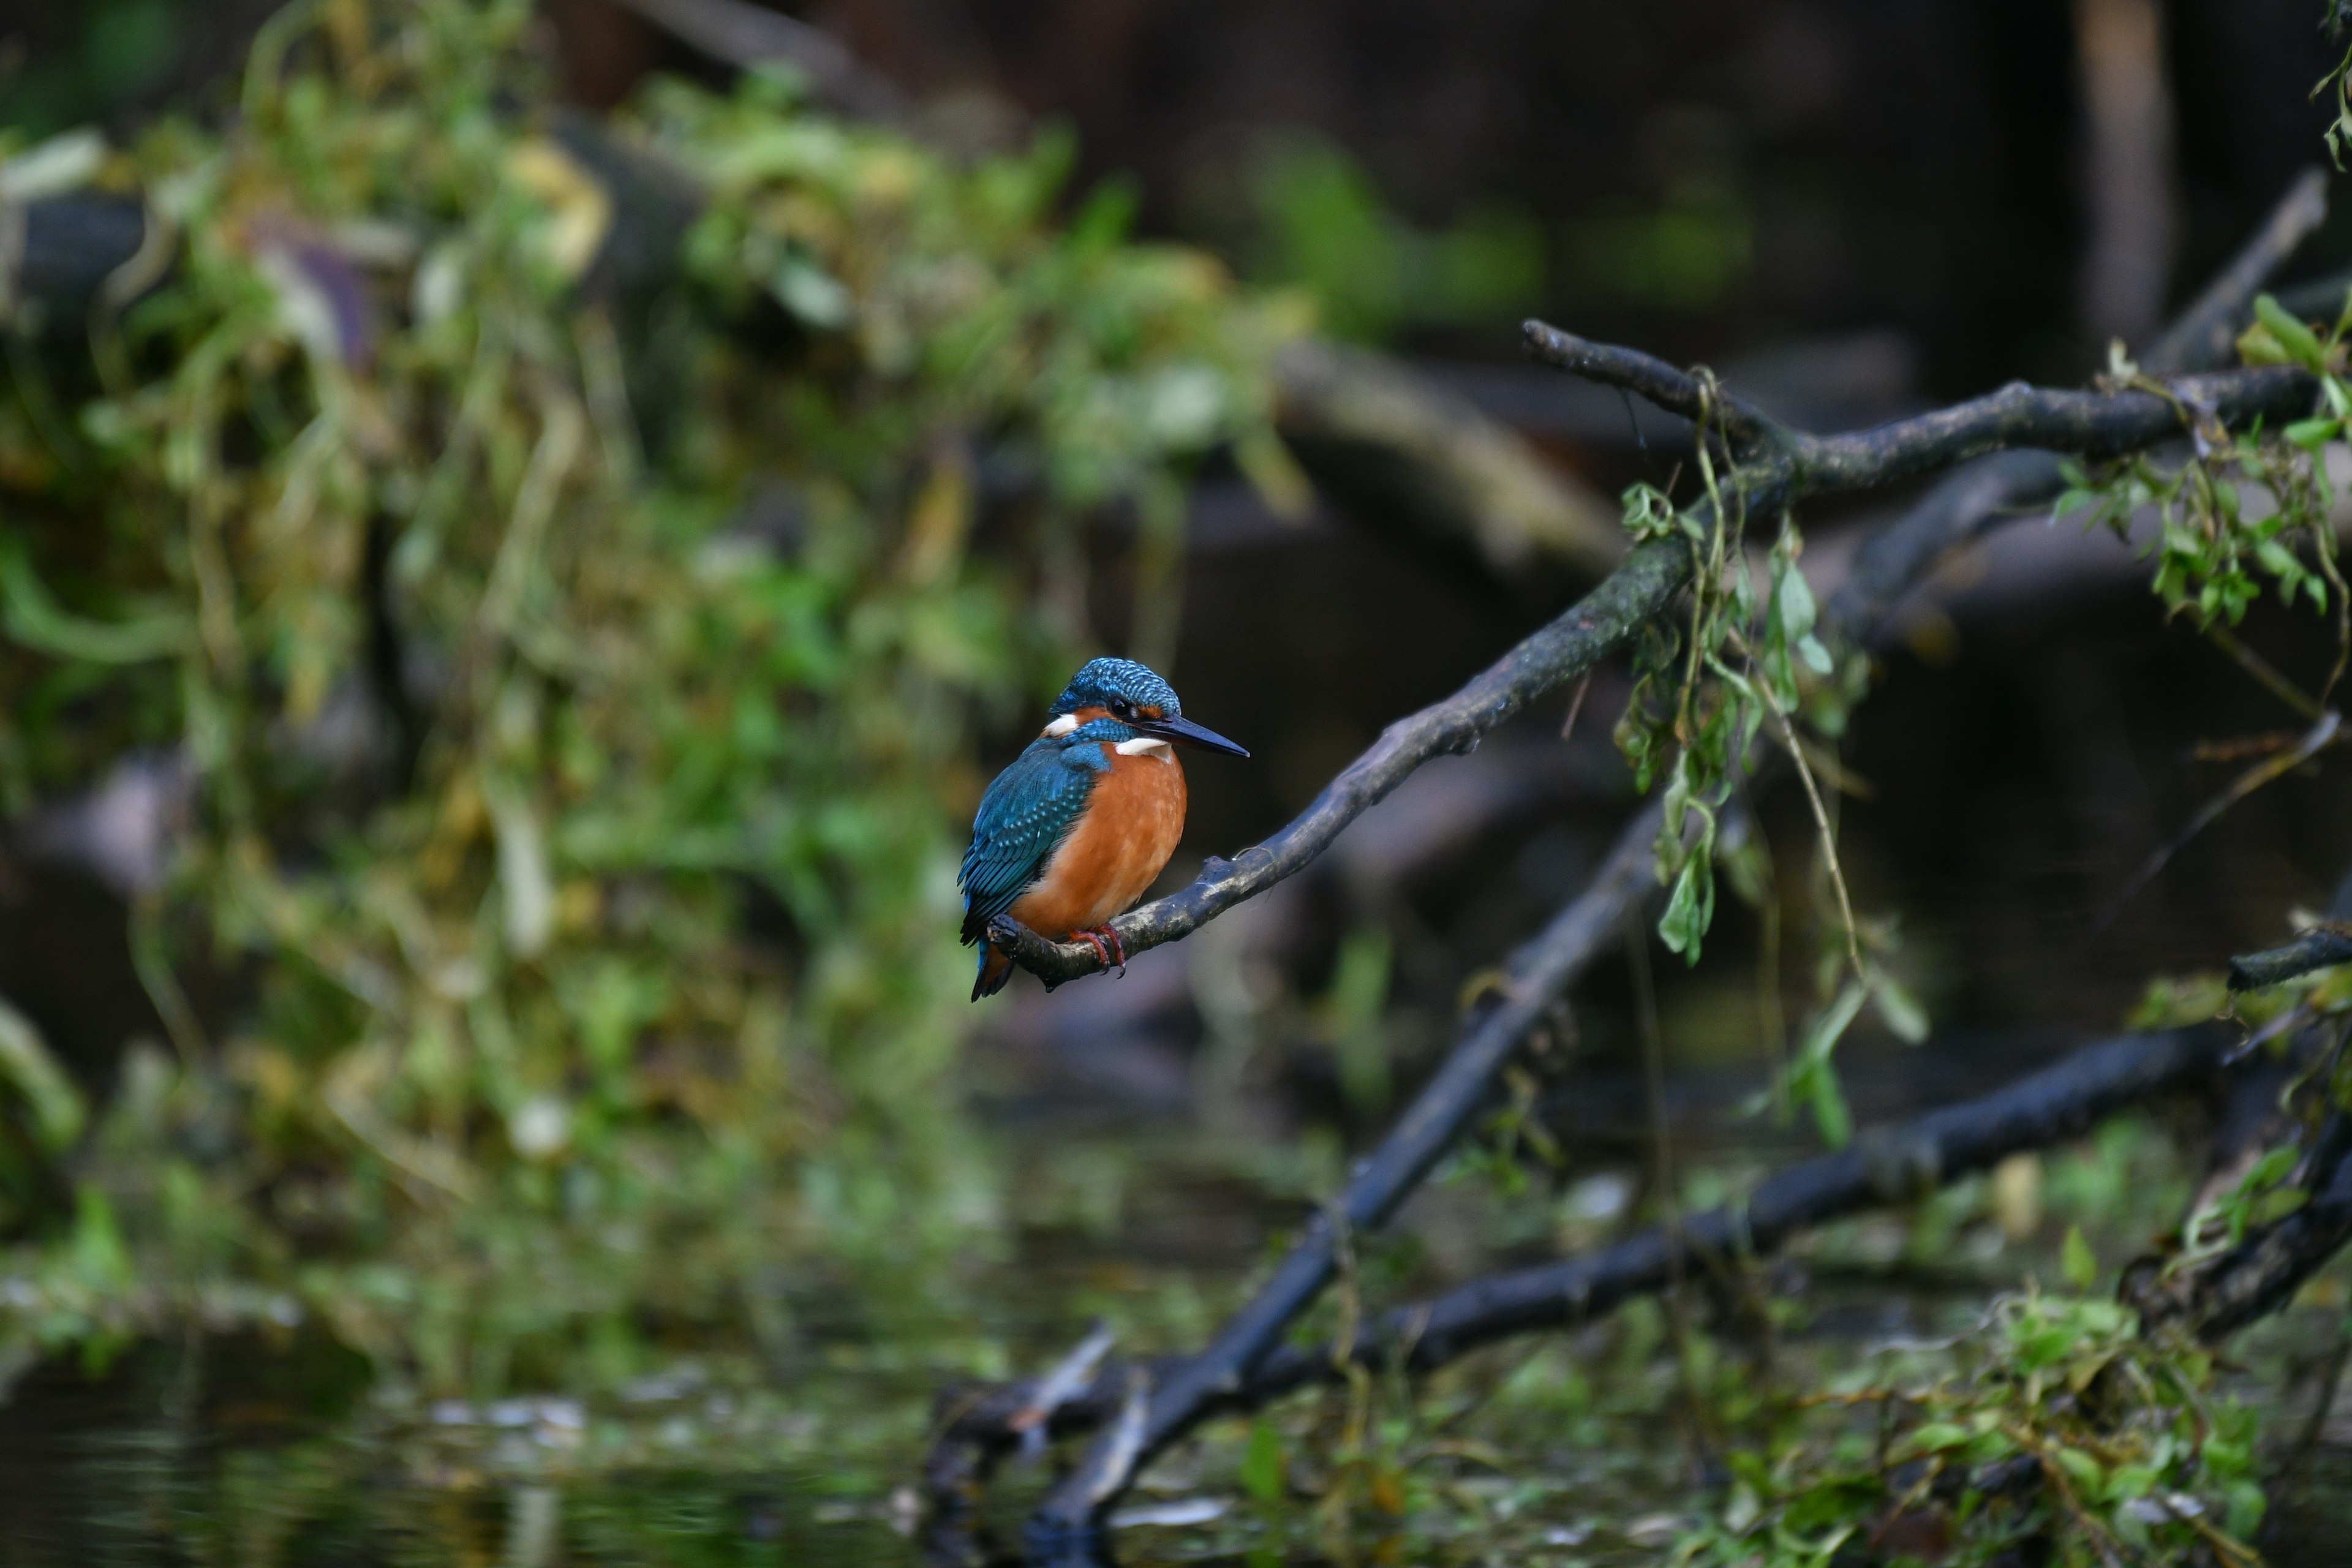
<point x="2316" y="739"/>
<point x="1828" y="839"/>
<point x="2265" y="673"/>
<point x="1693" y="395"/>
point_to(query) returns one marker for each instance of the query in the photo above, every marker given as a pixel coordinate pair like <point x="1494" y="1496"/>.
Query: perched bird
<point x="1072" y="833"/>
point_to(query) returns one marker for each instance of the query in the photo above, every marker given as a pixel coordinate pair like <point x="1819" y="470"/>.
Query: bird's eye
<point x="1122" y="707"/>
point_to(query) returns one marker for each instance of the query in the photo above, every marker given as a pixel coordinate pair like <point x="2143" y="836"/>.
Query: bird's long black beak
<point x="1185" y="732"/>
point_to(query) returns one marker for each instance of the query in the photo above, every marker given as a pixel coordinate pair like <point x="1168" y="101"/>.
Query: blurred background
<point x="1850" y="209"/>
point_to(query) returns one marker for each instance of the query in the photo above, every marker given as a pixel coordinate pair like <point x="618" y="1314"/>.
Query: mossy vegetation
<point x="572" y="680"/>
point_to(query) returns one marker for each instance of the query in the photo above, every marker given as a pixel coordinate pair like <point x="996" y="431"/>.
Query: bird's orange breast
<point x="1129" y="829"/>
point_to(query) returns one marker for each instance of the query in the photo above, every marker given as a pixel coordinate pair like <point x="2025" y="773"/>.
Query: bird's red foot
<point x="1106" y="946"/>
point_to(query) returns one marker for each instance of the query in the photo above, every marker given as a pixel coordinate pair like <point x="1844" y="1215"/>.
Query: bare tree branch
<point x="1672" y="389"/>
<point x="1565" y="648"/>
<point x="2097" y="423"/>
<point x="2319" y="947"/>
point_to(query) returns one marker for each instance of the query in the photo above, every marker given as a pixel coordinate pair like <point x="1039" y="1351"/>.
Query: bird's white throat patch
<point x="1146" y="746"/>
<point x="1062" y="726"/>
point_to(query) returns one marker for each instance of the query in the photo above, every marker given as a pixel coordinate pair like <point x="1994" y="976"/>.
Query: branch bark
<point x="2205" y="331"/>
<point x="2316" y="949"/>
<point x="1677" y="391"/>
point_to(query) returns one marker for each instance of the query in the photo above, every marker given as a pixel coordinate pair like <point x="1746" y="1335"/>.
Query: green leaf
<point x="1793" y="599"/>
<point x="26" y="1064"/>
<point x="1938" y="1435"/>
<point x="2280" y="561"/>
<point x="2256" y="345"/>
<point x="2076" y="1262"/>
<point x="2293" y="336"/>
<point x="1261" y="1471"/>
<point x="2313" y="434"/>
<point x="2082" y="1469"/>
<point x="2246" y="1507"/>
<point x="1830" y="1025"/>
<point x="1899" y="1010"/>
<point x="2271" y="1169"/>
<point x="1829" y="1107"/>
<point x="1691" y="908"/>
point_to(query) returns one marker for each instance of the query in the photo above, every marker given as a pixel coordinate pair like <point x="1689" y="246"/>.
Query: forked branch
<point x="2096" y="423"/>
<point x="1954" y="514"/>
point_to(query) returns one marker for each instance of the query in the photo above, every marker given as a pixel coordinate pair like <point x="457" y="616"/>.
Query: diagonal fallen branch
<point x="1954" y="514"/>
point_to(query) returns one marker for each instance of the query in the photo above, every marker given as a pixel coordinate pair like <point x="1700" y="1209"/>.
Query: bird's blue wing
<point x="1024" y="816"/>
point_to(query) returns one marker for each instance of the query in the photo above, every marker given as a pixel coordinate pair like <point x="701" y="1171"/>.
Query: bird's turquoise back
<point x="1026" y="814"/>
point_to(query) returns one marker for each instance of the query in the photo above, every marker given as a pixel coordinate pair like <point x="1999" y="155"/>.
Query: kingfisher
<point x="1078" y="827"/>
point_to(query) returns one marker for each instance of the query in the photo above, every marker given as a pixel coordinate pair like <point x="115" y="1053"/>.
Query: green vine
<point x="696" y="597"/>
<point x="2211" y="551"/>
<point x="1747" y="662"/>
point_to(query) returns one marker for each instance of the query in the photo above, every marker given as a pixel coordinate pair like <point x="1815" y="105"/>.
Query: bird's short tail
<point x="995" y="969"/>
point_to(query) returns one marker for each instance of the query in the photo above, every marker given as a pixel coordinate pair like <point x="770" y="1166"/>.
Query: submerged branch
<point x="1538" y="976"/>
<point x="1894" y="1165"/>
<point x="1882" y="1168"/>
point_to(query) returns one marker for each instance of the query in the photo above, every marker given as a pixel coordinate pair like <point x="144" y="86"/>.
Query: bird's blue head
<point x="1121" y="688"/>
<point x="1133" y="695"/>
